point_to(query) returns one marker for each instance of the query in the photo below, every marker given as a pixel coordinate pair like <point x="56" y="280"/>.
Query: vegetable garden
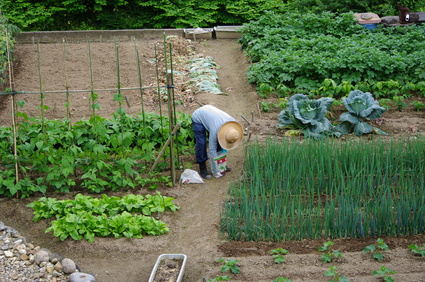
<point x="98" y="153"/>
<point x="292" y="189"/>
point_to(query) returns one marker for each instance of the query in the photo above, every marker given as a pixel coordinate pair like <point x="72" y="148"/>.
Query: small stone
<point x="47" y="251"/>
<point x="17" y="242"/>
<point x="20" y="247"/>
<point x="30" y="246"/>
<point x="57" y="273"/>
<point x="41" y="256"/>
<point x="81" y="277"/>
<point x="54" y="257"/>
<point x="58" y="266"/>
<point x="68" y="266"/>
<point x="49" y="268"/>
<point x="24" y="257"/>
<point x="8" y="254"/>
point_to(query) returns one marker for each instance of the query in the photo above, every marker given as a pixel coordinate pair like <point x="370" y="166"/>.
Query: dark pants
<point x="201" y="142"/>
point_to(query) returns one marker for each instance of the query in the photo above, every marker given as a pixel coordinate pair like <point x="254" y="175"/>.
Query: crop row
<point x="87" y="217"/>
<point x="297" y="53"/>
<point x="333" y="189"/>
<point x="96" y="154"/>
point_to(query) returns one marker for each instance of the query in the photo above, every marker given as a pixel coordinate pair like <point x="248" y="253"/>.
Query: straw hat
<point x="230" y="135"/>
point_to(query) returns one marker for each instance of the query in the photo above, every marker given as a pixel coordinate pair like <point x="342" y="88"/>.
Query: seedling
<point x="220" y="278"/>
<point x="281" y="279"/>
<point x="230" y="265"/>
<point x="418" y="105"/>
<point x="417" y="250"/>
<point x="329" y="255"/>
<point x="335" y="276"/>
<point x="278" y="255"/>
<point x="384" y="273"/>
<point x="399" y="101"/>
<point x="376" y="249"/>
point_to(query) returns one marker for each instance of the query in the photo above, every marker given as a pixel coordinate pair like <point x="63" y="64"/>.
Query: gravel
<point x="22" y="261"/>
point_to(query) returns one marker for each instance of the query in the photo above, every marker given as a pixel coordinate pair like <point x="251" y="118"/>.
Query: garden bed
<point x="194" y="230"/>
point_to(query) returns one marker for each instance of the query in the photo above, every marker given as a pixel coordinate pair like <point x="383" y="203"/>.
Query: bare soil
<point x="194" y="229"/>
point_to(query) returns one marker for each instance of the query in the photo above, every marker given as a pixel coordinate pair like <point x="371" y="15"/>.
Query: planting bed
<point x="194" y="229"/>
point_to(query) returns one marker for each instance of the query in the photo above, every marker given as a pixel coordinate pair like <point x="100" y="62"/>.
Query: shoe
<point x="228" y="169"/>
<point x="206" y="174"/>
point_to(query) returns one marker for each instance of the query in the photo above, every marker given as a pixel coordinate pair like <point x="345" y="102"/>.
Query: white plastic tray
<point x="182" y="257"/>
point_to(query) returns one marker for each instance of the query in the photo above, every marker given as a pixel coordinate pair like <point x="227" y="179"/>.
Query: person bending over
<point x="224" y="132"/>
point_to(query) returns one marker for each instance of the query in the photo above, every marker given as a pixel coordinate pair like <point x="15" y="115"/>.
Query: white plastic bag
<point x="219" y="164"/>
<point x="190" y="176"/>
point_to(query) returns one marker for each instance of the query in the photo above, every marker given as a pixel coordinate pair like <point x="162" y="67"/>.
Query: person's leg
<point x="201" y="149"/>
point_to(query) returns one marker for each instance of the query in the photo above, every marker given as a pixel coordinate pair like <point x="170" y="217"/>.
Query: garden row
<point x="328" y="255"/>
<point x="330" y="55"/>
<point x="87" y="217"/>
<point x="95" y="155"/>
<point x="294" y="190"/>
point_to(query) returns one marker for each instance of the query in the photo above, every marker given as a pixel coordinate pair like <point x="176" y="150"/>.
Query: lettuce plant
<point x="361" y="107"/>
<point x="307" y="115"/>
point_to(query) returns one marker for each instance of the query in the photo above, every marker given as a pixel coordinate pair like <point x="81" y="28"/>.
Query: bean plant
<point x="328" y="254"/>
<point x="279" y="255"/>
<point x="385" y="274"/>
<point x="376" y="249"/>
<point x="418" y="250"/>
<point x="335" y="276"/>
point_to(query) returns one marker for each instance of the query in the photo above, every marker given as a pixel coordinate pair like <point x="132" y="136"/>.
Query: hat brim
<point x="222" y="133"/>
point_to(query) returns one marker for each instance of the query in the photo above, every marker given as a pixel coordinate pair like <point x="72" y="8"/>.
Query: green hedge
<point x="46" y="15"/>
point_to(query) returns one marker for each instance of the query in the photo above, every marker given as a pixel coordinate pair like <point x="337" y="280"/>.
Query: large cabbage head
<point x="308" y="115"/>
<point x="361" y="107"/>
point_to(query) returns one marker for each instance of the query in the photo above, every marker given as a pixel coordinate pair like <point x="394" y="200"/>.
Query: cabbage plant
<point x="361" y="107"/>
<point x="307" y="115"/>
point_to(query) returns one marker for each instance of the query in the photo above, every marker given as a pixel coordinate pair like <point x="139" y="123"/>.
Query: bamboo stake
<point x="164" y="147"/>
<point x="158" y="88"/>
<point x="139" y="75"/>
<point x="170" y="111"/>
<point x="43" y="127"/>
<point x="68" y="102"/>
<point x="15" y="150"/>
<point x="173" y="95"/>
<point x="92" y="96"/>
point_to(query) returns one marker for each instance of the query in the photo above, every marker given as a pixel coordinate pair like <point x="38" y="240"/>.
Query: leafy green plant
<point x="384" y="273"/>
<point x="361" y="108"/>
<point x="417" y="249"/>
<point x="399" y="101"/>
<point x="99" y="154"/>
<point x="282" y="279"/>
<point x="326" y="60"/>
<point x="328" y="255"/>
<point x="220" y="278"/>
<point x="279" y="255"/>
<point x="230" y="265"/>
<point x="335" y="276"/>
<point x="376" y="250"/>
<point x="307" y="115"/>
<point x="386" y="103"/>
<point x="87" y="217"/>
<point x="418" y="105"/>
